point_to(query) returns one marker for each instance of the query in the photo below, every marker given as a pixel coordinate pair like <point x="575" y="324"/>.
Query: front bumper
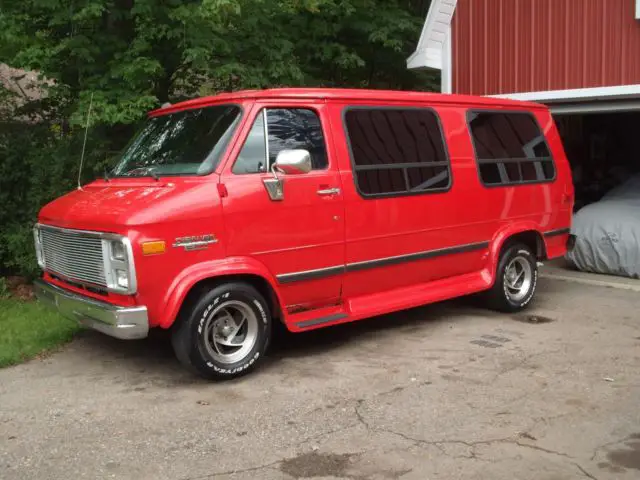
<point x="127" y="323"/>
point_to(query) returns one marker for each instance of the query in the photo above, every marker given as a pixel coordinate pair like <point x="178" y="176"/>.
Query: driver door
<point x="299" y="237"/>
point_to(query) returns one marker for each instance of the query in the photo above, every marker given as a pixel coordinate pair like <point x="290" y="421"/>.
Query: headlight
<point x="122" y="278"/>
<point x="118" y="251"/>
<point x="38" y="244"/>
<point x="118" y="265"/>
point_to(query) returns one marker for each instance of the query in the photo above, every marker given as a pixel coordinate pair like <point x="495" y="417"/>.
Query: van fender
<point x="502" y="236"/>
<point x="193" y="274"/>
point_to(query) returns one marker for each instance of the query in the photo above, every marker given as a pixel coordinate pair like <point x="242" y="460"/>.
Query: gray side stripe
<point x="309" y="274"/>
<point x="555" y="233"/>
<point x="318" y="321"/>
<point x="380" y="262"/>
<point x="411" y="257"/>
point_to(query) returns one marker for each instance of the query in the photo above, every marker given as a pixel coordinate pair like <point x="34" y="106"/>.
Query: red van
<point x="310" y="207"/>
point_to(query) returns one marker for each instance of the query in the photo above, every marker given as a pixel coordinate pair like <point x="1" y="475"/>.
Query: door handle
<point x="328" y="191"/>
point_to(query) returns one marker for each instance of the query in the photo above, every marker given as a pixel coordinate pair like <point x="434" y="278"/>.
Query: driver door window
<point x="286" y="129"/>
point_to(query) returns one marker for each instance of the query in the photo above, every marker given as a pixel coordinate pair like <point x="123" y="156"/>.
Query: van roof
<point x="341" y="94"/>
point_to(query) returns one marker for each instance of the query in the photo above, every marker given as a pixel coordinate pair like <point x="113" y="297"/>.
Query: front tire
<point x="224" y="333"/>
<point x="516" y="279"/>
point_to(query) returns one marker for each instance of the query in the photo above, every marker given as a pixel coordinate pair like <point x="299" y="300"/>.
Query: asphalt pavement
<point x="447" y="391"/>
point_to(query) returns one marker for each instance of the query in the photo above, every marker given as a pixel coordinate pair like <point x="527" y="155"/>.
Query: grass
<point x="28" y="329"/>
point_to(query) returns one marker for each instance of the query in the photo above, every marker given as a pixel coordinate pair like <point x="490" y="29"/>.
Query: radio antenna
<point x="84" y="144"/>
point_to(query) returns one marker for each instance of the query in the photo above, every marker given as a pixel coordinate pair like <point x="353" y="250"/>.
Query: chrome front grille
<point x="73" y="255"/>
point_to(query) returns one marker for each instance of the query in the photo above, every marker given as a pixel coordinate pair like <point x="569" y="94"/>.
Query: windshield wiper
<point x="144" y="171"/>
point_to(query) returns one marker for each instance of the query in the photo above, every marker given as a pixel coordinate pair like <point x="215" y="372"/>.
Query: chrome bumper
<point x="127" y="323"/>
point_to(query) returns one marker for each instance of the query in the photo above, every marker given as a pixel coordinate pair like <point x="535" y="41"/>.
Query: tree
<point x="136" y="55"/>
<point x="133" y="56"/>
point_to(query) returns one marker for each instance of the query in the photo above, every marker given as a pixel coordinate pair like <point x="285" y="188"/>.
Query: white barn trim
<point x="434" y="46"/>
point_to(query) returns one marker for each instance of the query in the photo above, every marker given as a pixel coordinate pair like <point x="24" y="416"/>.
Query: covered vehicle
<point x="608" y="233"/>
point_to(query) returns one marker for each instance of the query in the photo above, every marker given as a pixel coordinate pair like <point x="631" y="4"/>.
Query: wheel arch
<point x="191" y="283"/>
<point x="532" y="239"/>
<point x="526" y="233"/>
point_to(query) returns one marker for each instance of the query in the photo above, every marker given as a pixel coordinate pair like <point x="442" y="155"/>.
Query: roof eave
<point x="591" y="94"/>
<point x="427" y="58"/>
<point x="430" y="47"/>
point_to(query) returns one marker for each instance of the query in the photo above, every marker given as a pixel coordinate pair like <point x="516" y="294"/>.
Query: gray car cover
<point x="608" y="233"/>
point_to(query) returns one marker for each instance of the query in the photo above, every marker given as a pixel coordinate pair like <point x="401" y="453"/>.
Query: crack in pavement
<point x="234" y="472"/>
<point x="277" y="462"/>
<point x="440" y="444"/>
<point x="584" y="472"/>
<point x="437" y="443"/>
<point x="399" y="388"/>
<point x="605" y="445"/>
<point x="325" y="434"/>
<point x="523" y="361"/>
<point x="359" y="415"/>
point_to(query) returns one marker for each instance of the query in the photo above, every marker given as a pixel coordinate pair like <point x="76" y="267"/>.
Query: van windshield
<point x="189" y="142"/>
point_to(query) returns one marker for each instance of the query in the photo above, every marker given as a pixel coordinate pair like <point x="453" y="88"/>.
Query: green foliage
<point x="4" y="289"/>
<point x="133" y="56"/>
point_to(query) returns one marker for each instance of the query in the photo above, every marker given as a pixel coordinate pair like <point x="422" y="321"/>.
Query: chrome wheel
<point x="518" y="277"/>
<point x="231" y="331"/>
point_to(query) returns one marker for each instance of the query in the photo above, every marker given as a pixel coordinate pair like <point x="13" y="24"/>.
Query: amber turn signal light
<point x="153" y="248"/>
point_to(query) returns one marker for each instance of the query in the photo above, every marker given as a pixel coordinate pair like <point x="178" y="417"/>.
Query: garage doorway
<point x="603" y="150"/>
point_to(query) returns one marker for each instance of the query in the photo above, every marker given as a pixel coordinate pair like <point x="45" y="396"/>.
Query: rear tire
<point x="224" y="333"/>
<point x="516" y="279"/>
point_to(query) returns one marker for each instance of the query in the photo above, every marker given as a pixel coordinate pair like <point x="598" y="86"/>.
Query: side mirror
<point x="293" y="162"/>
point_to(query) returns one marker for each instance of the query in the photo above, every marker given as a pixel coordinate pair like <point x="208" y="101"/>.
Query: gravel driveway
<point x="442" y="392"/>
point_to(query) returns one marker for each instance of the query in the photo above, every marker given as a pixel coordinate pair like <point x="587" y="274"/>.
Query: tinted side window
<point x="510" y="148"/>
<point x="287" y="129"/>
<point x="253" y="156"/>
<point x="397" y="151"/>
<point x="297" y="128"/>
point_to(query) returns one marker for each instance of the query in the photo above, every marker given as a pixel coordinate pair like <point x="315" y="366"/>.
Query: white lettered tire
<point x="224" y="333"/>
<point x="516" y="279"/>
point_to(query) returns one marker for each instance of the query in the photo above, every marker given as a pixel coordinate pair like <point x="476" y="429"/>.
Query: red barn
<point x="581" y="57"/>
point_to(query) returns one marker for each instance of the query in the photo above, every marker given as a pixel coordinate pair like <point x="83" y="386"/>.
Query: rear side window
<point x="397" y="151"/>
<point x="510" y="148"/>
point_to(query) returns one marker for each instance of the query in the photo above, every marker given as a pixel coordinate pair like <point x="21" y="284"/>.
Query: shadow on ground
<point x="154" y="360"/>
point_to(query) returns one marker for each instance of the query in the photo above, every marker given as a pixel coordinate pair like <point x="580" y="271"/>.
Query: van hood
<point x="117" y="204"/>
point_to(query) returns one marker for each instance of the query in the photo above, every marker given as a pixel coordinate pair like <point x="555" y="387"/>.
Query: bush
<point x="38" y="165"/>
